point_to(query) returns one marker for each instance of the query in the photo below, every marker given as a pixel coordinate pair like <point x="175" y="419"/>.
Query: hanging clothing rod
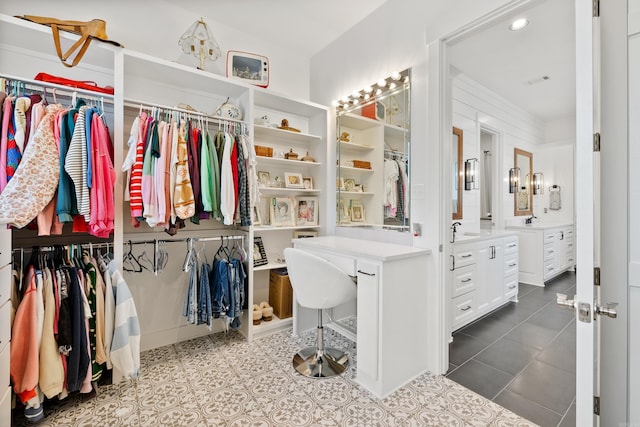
<point x="132" y="103"/>
<point x="60" y="89"/>
<point x="186" y="239"/>
<point x="53" y="248"/>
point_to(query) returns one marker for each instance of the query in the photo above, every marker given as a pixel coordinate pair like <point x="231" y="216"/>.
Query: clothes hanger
<point x="130" y="262"/>
<point x="144" y="261"/>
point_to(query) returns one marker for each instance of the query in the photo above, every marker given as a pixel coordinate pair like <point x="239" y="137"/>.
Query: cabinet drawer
<point x="464" y="309"/>
<point x="464" y="280"/>
<point x="464" y="257"/>
<point x="549" y="252"/>
<point x="5" y="406"/>
<point x="549" y="268"/>
<point x="5" y="246"/>
<point x="510" y="286"/>
<point x="510" y="264"/>
<point x="550" y="237"/>
<point x="511" y="245"/>
<point x="4" y="367"/>
<point x="5" y="327"/>
<point x="5" y="284"/>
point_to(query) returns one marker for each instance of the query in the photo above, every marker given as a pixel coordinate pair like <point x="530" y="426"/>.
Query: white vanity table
<point x="546" y="250"/>
<point x="391" y="334"/>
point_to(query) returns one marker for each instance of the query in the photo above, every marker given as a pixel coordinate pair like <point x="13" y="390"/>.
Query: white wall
<point x="154" y="27"/>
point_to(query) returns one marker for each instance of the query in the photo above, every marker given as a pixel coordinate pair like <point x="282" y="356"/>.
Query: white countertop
<point x="467" y="237"/>
<point x="359" y="247"/>
<point x="4" y="221"/>
<point x="539" y="226"/>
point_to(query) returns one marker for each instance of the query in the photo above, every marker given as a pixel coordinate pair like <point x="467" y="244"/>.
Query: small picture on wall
<point x="282" y="211"/>
<point x="293" y="180"/>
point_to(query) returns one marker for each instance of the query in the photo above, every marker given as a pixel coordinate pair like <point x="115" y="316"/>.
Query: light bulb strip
<point x="387" y="86"/>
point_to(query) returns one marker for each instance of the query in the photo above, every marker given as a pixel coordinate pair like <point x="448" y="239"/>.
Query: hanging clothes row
<point x="56" y="163"/>
<point x="179" y="169"/>
<point x="396" y="204"/>
<point x="216" y="290"/>
<point x="74" y="319"/>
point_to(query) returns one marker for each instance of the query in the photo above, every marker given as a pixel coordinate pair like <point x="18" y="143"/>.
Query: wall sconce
<point x="471" y="174"/>
<point x="514" y="173"/>
<point x="538" y="183"/>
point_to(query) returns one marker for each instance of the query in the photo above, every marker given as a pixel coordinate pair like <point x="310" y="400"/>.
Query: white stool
<point x="318" y="284"/>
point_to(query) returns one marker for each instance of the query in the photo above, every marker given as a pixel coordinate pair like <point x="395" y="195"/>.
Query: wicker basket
<point x="361" y="164"/>
<point x="264" y="151"/>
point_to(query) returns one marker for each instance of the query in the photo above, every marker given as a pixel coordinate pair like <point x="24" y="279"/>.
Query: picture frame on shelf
<point x="307" y="182"/>
<point x="255" y="216"/>
<point x="259" y="254"/>
<point x="357" y="212"/>
<point x="293" y="180"/>
<point x="264" y="178"/>
<point x="282" y="211"/>
<point x="303" y="234"/>
<point x="340" y="184"/>
<point x="349" y="184"/>
<point x="307" y="211"/>
<point x="342" y="212"/>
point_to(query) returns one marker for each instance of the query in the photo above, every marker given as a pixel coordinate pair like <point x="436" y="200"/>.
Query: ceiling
<point x="513" y="63"/>
<point x="301" y="26"/>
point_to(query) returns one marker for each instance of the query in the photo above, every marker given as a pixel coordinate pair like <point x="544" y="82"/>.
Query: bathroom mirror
<point x="373" y="137"/>
<point x="457" y="172"/>
<point x="523" y="196"/>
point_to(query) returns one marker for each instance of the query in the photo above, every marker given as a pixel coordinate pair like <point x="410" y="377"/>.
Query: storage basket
<point x="264" y="151"/>
<point x="361" y="164"/>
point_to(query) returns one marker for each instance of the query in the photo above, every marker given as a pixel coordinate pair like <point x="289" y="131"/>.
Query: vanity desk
<point x="546" y="250"/>
<point x="391" y="336"/>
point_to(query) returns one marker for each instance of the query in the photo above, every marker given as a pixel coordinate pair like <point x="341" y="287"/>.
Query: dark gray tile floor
<point x="522" y="355"/>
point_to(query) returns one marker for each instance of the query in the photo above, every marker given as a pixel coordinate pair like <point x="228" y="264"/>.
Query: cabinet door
<point x="368" y="318"/>
<point x="490" y="275"/>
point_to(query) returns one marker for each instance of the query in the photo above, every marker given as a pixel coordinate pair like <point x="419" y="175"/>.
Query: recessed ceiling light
<point x="518" y="24"/>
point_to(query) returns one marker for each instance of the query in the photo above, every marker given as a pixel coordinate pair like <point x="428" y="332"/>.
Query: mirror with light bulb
<point x="373" y="165"/>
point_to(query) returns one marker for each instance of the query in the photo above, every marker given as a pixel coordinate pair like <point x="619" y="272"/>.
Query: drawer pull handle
<point x="465" y="256"/>
<point x="466" y="308"/>
<point x="512" y="287"/>
<point x="513" y="265"/>
<point x="365" y="273"/>
<point x="513" y="245"/>
<point x="468" y="279"/>
<point x="549" y="268"/>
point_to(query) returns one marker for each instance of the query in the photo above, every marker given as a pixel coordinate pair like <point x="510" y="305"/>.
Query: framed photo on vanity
<point x="307" y="211"/>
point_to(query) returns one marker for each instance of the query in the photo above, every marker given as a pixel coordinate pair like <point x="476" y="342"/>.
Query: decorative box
<point x="264" y="151"/>
<point x="280" y="293"/>
<point x="361" y="164"/>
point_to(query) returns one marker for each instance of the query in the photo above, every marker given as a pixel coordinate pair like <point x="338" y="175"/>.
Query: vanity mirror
<point x="373" y="137"/>
<point x="523" y="194"/>
<point x="457" y="172"/>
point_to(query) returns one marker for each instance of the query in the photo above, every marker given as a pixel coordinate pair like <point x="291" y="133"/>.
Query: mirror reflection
<point x="457" y="172"/>
<point x="373" y="137"/>
<point x="523" y="196"/>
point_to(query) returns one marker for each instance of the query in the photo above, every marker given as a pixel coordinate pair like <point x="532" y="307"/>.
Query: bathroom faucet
<point x="454" y="229"/>
<point x="529" y="220"/>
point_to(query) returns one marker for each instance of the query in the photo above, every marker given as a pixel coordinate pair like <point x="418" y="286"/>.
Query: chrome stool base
<point x="315" y="363"/>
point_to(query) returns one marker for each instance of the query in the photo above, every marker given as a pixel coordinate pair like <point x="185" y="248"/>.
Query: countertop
<point x="362" y="248"/>
<point x="468" y="237"/>
<point x="539" y="226"/>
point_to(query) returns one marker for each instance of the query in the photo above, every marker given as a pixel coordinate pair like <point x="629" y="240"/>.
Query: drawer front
<point x="549" y="268"/>
<point x="4" y="367"/>
<point x="511" y="245"/>
<point x="510" y="286"/>
<point x="5" y="328"/>
<point x="5" y="406"/>
<point x="550" y="237"/>
<point x="549" y="252"/>
<point x="510" y="264"/>
<point x="5" y="246"/>
<point x="5" y="284"/>
<point x="464" y="280"/>
<point x="568" y="234"/>
<point x="464" y="257"/>
<point x="464" y="309"/>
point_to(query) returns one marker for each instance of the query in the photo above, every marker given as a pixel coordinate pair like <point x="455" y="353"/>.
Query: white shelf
<point x="277" y="161"/>
<point x="279" y="190"/>
<point x="355" y="193"/>
<point x="356" y="121"/>
<point x="270" y="266"/>
<point x="281" y="135"/>
<point x="394" y="128"/>
<point x="272" y="325"/>
<point x="350" y="146"/>
<point x="259" y="228"/>
<point x="358" y="170"/>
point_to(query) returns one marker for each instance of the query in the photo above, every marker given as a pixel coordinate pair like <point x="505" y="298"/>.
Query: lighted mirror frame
<point x="523" y="194"/>
<point x="457" y="172"/>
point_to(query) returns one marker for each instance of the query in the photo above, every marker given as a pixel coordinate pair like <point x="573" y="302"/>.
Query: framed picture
<point x="303" y="234"/>
<point x="282" y="212"/>
<point x="307" y="211"/>
<point x="342" y="212"/>
<point x="293" y="180"/>
<point x="248" y="67"/>
<point x="255" y="216"/>
<point x="307" y="182"/>
<point x="357" y="212"/>
<point x="259" y="255"/>
<point x="349" y="184"/>
<point x="264" y="178"/>
<point x="340" y="184"/>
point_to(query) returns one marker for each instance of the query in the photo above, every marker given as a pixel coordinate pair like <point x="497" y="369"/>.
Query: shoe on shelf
<point x="34" y="415"/>
<point x="267" y="311"/>
<point x="257" y="314"/>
